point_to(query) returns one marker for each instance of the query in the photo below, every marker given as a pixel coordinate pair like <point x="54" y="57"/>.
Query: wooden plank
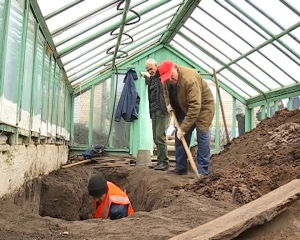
<point x="254" y="213"/>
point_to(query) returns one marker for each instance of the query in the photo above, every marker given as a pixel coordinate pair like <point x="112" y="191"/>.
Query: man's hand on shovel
<point x="180" y="134"/>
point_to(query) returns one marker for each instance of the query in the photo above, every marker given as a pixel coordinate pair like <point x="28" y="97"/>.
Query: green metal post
<point x="90" y="138"/>
<point x="72" y="120"/>
<point x="248" y="119"/>
<point x="233" y="128"/>
<point x="290" y="103"/>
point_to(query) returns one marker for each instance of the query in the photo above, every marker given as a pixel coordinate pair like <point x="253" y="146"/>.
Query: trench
<point x="64" y="195"/>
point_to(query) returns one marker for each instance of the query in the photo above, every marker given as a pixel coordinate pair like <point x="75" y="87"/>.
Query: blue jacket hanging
<point x="128" y="106"/>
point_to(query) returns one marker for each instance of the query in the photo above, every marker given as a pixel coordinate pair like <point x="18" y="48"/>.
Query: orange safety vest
<point x="114" y="195"/>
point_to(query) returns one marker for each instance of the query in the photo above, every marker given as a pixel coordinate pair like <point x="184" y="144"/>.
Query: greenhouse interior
<point x="63" y="72"/>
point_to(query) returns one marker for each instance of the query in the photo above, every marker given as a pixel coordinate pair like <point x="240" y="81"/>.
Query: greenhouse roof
<point x="252" y="45"/>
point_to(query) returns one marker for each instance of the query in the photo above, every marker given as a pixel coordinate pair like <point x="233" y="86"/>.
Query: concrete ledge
<point x="254" y="213"/>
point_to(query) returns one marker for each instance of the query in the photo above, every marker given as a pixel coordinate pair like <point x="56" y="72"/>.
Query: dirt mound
<point x="257" y="162"/>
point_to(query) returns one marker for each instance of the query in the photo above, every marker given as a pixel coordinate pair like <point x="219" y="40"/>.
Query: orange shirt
<point x="115" y="195"/>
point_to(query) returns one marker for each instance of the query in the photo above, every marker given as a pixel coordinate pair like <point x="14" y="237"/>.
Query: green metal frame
<point x="178" y="21"/>
<point x="86" y="40"/>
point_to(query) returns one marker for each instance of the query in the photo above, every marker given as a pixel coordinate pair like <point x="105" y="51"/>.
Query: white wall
<point x="19" y="163"/>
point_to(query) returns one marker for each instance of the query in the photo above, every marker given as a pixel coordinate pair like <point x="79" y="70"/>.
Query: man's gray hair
<point x="150" y="61"/>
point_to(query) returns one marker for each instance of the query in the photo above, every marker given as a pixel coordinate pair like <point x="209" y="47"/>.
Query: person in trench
<point x="109" y="201"/>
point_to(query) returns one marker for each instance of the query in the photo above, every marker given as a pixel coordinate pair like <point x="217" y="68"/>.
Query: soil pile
<point x="257" y="162"/>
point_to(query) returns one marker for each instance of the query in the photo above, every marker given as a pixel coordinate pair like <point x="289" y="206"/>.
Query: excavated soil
<point x="57" y="206"/>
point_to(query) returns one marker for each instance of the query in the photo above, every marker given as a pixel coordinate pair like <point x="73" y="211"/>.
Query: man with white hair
<point x="158" y="114"/>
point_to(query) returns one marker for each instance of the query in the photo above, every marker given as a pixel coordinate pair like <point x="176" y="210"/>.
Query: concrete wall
<point x="20" y="163"/>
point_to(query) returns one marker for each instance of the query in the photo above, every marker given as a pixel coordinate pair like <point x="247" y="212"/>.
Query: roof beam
<point x="183" y="13"/>
<point x="94" y="36"/>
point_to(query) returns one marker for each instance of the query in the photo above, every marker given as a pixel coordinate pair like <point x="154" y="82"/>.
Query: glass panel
<point x="87" y="76"/>
<point x="258" y="16"/>
<point x="48" y="7"/>
<point x="148" y="17"/>
<point x="216" y="27"/>
<point x="286" y="52"/>
<point x="237" y="89"/>
<point x="236" y="25"/>
<point x="259" y="74"/>
<point x="37" y="85"/>
<point x="296" y="32"/>
<point x="291" y="43"/>
<point x="50" y="99"/>
<point x="295" y="104"/>
<point x="77" y="11"/>
<point x="45" y="95"/>
<point x="216" y="51"/>
<point x="28" y="74"/>
<point x="55" y="96"/>
<point x="211" y="62"/>
<point x="120" y="130"/>
<point x="81" y="118"/>
<point x="237" y="81"/>
<point x="286" y="17"/>
<point x="12" y="63"/>
<point x="215" y="41"/>
<point x="101" y="114"/>
<point x="187" y="53"/>
<point x="294" y="3"/>
<point x="270" y="68"/>
<point x="249" y="76"/>
<point x="282" y="61"/>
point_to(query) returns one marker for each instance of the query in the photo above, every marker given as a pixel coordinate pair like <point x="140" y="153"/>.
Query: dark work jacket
<point x="160" y="93"/>
<point x="128" y="106"/>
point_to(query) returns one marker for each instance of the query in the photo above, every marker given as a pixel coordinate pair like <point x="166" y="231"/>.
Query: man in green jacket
<point x="189" y="96"/>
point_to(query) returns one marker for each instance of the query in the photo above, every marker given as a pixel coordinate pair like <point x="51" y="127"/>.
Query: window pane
<point x="28" y="74"/>
<point x="12" y="63"/>
<point x="81" y="118"/>
<point x="101" y="114"/>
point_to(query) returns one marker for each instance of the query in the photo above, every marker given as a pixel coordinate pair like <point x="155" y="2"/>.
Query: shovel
<point x="186" y="148"/>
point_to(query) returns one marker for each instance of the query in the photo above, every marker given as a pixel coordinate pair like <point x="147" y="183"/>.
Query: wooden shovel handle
<point x="186" y="148"/>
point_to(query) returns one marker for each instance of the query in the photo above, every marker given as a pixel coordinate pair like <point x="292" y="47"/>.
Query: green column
<point x="233" y="128"/>
<point x="141" y="129"/>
